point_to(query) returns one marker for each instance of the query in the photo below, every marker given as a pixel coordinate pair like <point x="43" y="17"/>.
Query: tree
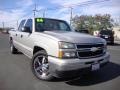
<point x="92" y="23"/>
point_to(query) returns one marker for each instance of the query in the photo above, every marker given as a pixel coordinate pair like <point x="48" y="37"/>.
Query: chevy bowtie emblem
<point x="93" y="49"/>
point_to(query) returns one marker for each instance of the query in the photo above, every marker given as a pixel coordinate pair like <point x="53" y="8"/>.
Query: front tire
<point x="40" y="66"/>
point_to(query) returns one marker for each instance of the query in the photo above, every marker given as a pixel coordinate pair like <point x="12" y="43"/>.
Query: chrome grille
<point x="90" y="50"/>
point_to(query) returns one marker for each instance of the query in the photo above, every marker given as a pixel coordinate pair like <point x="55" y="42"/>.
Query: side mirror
<point x="26" y="29"/>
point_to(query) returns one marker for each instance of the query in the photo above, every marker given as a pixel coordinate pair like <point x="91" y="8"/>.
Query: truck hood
<point x="74" y="37"/>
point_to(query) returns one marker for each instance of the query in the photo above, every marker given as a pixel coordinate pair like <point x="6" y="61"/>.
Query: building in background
<point x="116" y="30"/>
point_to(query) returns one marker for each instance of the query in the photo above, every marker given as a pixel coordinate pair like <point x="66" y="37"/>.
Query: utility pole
<point x="34" y="11"/>
<point x="3" y="23"/>
<point x="44" y="12"/>
<point x="71" y="15"/>
<point x="17" y="23"/>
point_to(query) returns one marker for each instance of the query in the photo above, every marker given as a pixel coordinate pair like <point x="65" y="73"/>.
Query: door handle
<point x="21" y="36"/>
<point x="16" y="34"/>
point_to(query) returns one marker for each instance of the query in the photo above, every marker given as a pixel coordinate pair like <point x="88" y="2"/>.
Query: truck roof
<point x="45" y="18"/>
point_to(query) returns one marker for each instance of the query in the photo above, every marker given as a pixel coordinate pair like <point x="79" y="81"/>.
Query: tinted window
<point x="29" y="24"/>
<point x="21" y="25"/>
<point x="51" y="25"/>
<point x="106" y="32"/>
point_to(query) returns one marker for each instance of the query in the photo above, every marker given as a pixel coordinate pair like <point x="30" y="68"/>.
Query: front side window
<point x="29" y="24"/>
<point x="44" y="24"/>
<point x="21" y="25"/>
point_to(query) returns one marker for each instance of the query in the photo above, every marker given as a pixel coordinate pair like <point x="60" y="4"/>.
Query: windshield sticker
<point x="40" y="20"/>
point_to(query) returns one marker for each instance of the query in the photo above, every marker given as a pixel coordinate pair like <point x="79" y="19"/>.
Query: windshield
<point x="44" y="24"/>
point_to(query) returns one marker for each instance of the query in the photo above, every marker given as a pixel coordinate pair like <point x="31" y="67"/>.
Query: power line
<point x="59" y="7"/>
<point x="71" y="6"/>
<point x="74" y="5"/>
<point x="87" y="3"/>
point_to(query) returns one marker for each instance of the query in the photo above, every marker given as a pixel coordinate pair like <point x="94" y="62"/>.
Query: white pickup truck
<point x="56" y="50"/>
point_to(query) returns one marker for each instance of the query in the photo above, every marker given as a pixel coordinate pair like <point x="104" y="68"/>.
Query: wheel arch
<point x="38" y="48"/>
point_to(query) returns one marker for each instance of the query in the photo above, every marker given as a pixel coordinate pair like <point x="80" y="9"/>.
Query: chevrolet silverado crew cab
<point x="56" y="50"/>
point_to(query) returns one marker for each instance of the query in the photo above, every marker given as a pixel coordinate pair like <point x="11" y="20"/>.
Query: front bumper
<point x="60" y="66"/>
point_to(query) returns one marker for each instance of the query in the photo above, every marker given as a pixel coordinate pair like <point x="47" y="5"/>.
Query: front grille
<point x="89" y="46"/>
<point x="85" y="51"/>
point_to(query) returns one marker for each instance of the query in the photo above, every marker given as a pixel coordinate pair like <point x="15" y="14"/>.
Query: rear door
<point x="18" y="35"/>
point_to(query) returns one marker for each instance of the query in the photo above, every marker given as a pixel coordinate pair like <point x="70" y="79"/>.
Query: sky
<point x="13" y="11"/>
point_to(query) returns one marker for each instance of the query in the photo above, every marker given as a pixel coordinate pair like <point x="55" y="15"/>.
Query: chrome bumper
<point x="63" y="65"/>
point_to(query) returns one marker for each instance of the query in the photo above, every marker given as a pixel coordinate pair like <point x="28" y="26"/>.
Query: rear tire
<point x="40" y="66"/>
<point x="12" y="48"/>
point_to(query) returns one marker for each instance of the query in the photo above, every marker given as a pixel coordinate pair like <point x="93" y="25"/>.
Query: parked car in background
<point x="108" y="35"/>
<point x="83" y="31"/>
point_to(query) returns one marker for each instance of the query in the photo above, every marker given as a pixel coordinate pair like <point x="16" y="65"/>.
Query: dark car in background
<point x="83" y="31"/>
<point x="108" y="35"/>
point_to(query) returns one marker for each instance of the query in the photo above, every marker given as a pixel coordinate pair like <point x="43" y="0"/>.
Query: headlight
<point x="66" y="54"/>
<point x="66" y="45"/>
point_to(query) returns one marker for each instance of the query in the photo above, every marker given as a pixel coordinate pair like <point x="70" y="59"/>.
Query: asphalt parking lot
<point x="16" y="74"/>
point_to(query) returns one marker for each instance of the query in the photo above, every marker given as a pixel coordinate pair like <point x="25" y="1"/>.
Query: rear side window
<point x="29" y="24"/>
<point x="21" y="25"/>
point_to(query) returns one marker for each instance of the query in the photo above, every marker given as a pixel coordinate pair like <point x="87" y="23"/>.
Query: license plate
<point x="95" y="67"/>
<point x="106" y="36"/>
